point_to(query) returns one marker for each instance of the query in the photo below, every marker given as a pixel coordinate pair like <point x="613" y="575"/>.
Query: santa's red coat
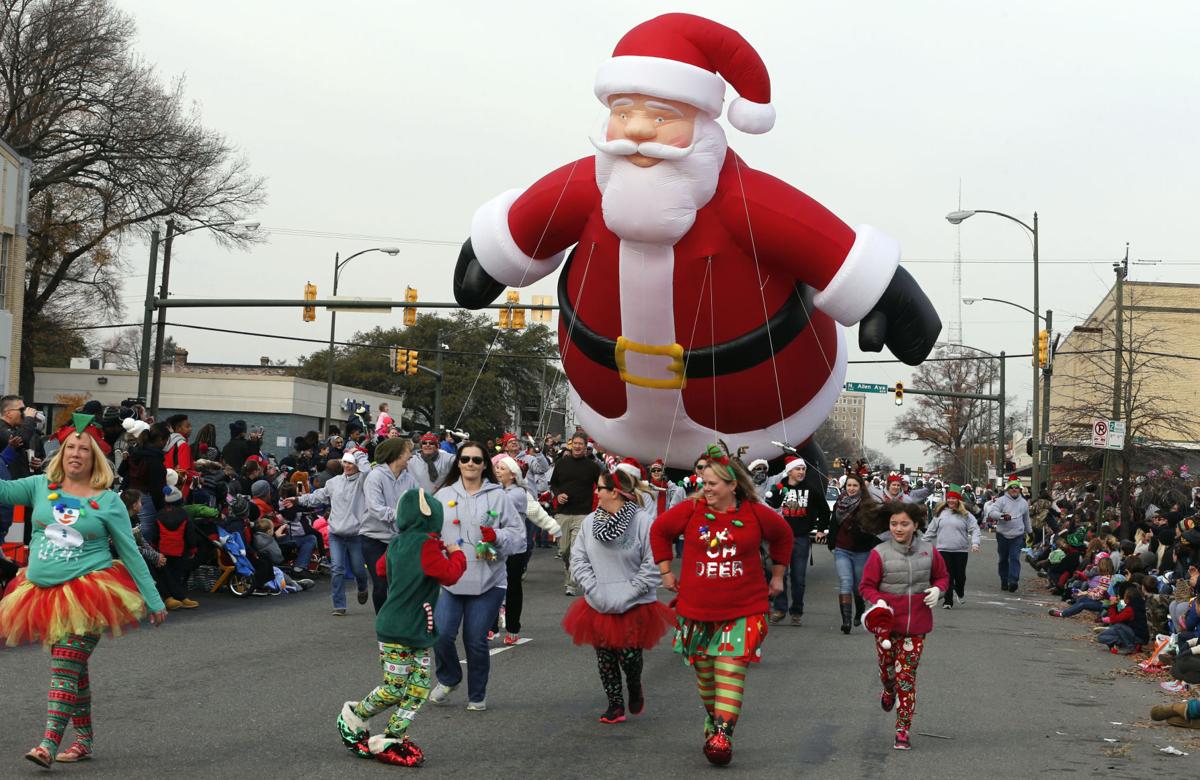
<point x="736" y="267"/>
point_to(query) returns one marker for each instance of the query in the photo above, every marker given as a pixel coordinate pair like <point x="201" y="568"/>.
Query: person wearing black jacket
<point x="144" y="470"/>
<point x="239" y="447"/>
<point x="18" y="425"/>
<point x="853" y="533"/>
<point x="800" y="498"/>
<point x="573" y="483"/>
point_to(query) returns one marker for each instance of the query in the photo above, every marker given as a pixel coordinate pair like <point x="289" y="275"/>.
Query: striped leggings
<point x="720" y="681"/>
<point x="70" y="697"/>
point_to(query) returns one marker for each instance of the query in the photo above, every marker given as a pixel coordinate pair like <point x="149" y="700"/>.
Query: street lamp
<point x="969" y="301"/>
<point x="338" y="265"/>
<point x="161" y="324"/>
<point x="1000" y="359"/>
<point x="956" y="218"/>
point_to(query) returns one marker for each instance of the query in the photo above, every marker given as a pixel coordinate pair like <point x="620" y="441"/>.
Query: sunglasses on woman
<point x="476" y="459"/>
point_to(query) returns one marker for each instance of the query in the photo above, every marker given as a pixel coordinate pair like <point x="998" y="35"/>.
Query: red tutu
<point x="642" y="626"/>
<point x="102" y="601"/>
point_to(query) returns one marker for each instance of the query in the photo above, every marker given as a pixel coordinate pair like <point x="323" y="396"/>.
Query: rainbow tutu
<point x="104" y="601"/>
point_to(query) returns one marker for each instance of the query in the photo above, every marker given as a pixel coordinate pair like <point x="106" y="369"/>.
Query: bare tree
<point x="113" y="150"/>
<point x="123" y="349"/>
<point x="948" y="427"/>
<point x="834" y="443"/>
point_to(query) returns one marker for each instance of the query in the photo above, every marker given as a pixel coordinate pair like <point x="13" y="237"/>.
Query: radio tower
<point x="954" y="335"/>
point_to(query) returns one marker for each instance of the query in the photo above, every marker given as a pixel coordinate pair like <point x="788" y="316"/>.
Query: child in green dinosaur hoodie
<point x="417" y="565"/>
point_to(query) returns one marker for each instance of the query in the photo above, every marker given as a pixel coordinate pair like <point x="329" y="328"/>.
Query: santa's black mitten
<point x="474" y="288"/>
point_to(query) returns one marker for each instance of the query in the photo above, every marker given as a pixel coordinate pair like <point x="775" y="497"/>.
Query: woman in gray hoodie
<point x="344" y="496"/>
<point x="620" y="614"/>
<point x="954" y="531"/>
<point x="482" y="520"/>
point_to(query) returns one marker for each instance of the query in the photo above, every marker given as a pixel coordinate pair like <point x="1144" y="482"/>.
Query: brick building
<point x="14" y="231"/>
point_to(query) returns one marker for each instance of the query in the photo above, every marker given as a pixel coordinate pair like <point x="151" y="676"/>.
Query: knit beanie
<point x="260" y="489"/>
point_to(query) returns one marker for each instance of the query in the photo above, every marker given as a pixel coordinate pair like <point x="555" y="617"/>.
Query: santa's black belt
<point x="738" y="354"/>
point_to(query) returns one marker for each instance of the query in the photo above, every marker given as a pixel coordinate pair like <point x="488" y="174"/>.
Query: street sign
<point x="1099" y="433"/>
<point x="865" y="387"/>
<point x="1116" y="435"/>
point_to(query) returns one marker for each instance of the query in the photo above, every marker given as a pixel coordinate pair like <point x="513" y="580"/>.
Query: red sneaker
<point x="402" y="752"/>
<point x="902" y="742"/>
<point x="887" y="700"/>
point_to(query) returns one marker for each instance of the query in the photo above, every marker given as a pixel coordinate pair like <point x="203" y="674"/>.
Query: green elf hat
<point x="954" y="491"/>
<point x="81" y="424"/>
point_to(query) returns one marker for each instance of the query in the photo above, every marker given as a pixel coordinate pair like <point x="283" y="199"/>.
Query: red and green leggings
<point x="721" y="682"/>
<point x="70" y="697"/>
<point x="898" y="673"/>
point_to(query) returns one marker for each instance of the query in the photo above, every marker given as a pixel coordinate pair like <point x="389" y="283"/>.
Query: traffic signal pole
<point x="1047" y="371"/>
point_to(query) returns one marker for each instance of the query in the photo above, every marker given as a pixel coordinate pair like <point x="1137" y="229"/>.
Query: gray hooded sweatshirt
<point x="344" y="497"/>
<point x="491" y="506"/>
<point x="618" y="575"/>
<point x="382" y="493"/>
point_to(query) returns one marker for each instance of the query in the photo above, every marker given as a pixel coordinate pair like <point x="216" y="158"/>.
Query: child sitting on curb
<point x="1126" y="620"/>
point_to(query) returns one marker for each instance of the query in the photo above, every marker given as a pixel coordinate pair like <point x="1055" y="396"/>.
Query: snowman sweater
<point x="722" y="576"/>
<point x="71" y="536"/>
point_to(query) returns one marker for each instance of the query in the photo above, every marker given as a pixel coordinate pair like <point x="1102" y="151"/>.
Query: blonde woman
<point x="955" y="534"/>
<point x="73" y="590"/>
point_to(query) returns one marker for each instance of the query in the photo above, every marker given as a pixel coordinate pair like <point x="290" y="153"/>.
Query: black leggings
<point x="514" y="600"/>
<point x="610" y="662"/>
<point x="956" y="563"/>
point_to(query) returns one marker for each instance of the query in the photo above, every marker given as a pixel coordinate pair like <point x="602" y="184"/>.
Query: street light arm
<point x="212" y="225"/>
<point x="1011" y="303"/>
<point x="1008" y="217"/>
<point x="385" y="249"/>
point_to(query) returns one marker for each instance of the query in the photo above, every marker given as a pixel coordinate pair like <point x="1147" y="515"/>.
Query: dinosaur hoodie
<point x="417" y="567"/>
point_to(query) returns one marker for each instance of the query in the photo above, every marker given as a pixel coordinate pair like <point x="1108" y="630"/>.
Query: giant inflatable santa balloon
<point x="700" y="298"/>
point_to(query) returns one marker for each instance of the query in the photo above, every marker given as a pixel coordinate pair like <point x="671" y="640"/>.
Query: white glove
<point x="1192" y="642"/>
<point x="931" y="596"/>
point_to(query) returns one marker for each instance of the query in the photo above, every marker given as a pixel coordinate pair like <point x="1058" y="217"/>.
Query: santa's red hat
<point x="689" y="58"/>
<point x="791" y="463"/>
<point x="895" y="478"/>
<point x="506" y="438"/>
<point x="631" y="467"/>
<point x="878" y="619"/>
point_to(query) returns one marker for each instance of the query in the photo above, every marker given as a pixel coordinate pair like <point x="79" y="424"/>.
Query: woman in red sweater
<point x="904" y="576"/>
<point x="722" y="600"/>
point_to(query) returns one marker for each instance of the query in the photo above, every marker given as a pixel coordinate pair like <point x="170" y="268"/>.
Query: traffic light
<point x="899" y="394"/>
<point x="1043" y="348"/>
<point x="412" y="362"/>
<point x="542" y="315"/>
<point x="410" y="313"/>
<point x="399" y="360"/>
<point x="310" y="294"/>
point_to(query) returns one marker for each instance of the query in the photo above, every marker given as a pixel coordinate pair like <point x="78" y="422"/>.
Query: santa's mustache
<point x="623" y="147"/>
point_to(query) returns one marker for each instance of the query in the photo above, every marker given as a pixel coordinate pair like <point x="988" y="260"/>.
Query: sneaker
<point x="440" y="692"/>
<point x="511" y="639"/>
<point x="340" y="612"/>
<point x="477" y="706"/>
<point x="353" y="731"/>
<point x="887" y="700"/>
<point x="614" y="714"/>
<point x="362" y="597"/>
<point x="637" y="701"/>
<point x="796" y="620"/>
<point x="189" y="604"/>
<point x="902" y="742"/>
<point x="1174" y="686"/>
<point x="173" y="603"/>
<point x="298" y="572"/>
<point x="1056" y="613"/>
<point x="491" y="635"/>
<point x="397" y="752"/>
<point x="305" y="584"/>
<point x="568" y="591"/>
<point x="775" y="616"/>
<point x="947" y="605"/>
<point x="961" y="600"/>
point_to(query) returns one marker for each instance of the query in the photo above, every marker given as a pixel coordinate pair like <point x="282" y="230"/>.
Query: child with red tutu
<point x="73" y="590"/>
<point x="620" y="614"/>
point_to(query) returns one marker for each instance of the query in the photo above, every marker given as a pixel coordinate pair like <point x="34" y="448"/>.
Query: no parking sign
<point x="1099" y="432"/>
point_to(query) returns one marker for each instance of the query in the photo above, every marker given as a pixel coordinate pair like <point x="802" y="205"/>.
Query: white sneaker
<point x="477" y="706"/>
<point x="440" y="692"/>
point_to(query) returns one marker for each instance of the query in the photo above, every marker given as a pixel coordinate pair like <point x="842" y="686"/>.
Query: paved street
<point x="251" y="688"/>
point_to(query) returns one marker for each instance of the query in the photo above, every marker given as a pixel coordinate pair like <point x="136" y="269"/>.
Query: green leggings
<point x="405" y="687"/>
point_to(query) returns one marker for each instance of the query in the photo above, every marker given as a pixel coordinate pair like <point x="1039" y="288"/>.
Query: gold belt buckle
<point x="676" y="367"/>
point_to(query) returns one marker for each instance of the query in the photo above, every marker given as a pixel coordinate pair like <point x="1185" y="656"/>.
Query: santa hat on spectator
<point x="429" y="436"/>
<point x="756" y="463"/>
<point x="507" y="437"/>
<point x="171" y="492"/>
<point x="878" y="619"/>
<point x="689" y="58"/>
<point x="631" y="467"/>
<point x="791" y="463"/>
<point x="511" y="464"/>
<point x="895" y="478"/>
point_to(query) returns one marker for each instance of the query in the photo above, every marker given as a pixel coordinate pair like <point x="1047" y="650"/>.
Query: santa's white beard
<point x="658" y="204"/>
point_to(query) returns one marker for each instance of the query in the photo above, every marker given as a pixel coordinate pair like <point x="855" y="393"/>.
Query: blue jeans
<point x="794" y="578"/>
<point x="1080" y="605"/>
<point x="475" y="614"/>
<point x="1009" y="552"/>
<point x="1120" y="635"/>
<point x="304" y="549"/>
<point x="849" y="565"/>
<point x="346" y="558"/>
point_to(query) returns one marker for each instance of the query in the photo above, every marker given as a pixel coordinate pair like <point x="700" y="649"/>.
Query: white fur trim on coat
<point x="496" y="250"/>
<point x="864" y="275"/>
<point x="661" y="77"/>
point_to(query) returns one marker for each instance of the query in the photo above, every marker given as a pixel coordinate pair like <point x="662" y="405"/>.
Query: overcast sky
<point x="384" y="122"/>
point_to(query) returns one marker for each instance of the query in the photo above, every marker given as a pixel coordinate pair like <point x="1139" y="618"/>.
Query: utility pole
<point x="1035" y="465"/>
<point x="160" y="328"/>
<point x="437" y="386"/>
<point x="1122" y="270"/>
<point x="148" y="318"/>
<point x="1047" y="372"/>
<point x="332" y="355"/>
<point x="1003" y="416"/>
